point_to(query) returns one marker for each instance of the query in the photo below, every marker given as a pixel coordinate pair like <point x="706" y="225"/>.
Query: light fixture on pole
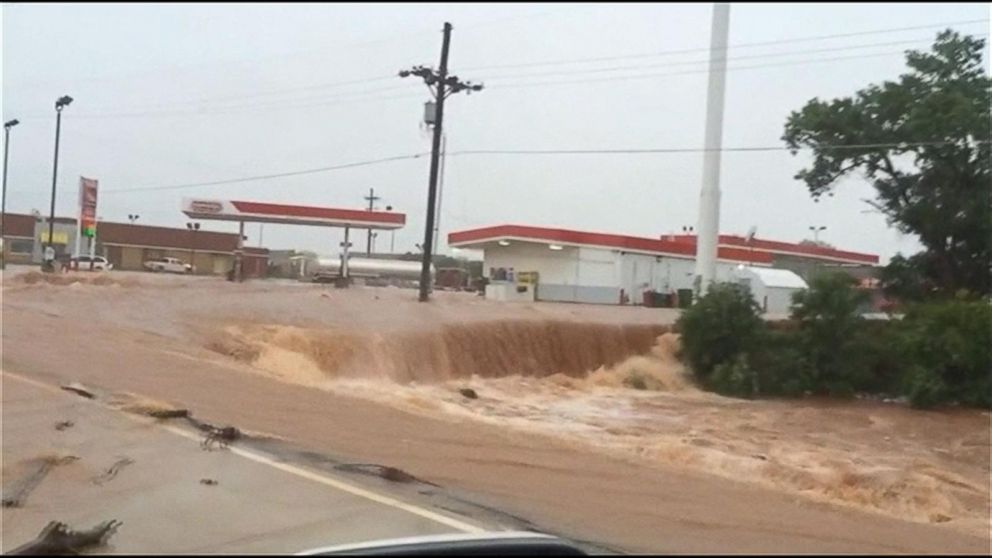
<point x="816" y="233"/>
<point x="49" y="258"/>
<point x="3" y="204"/>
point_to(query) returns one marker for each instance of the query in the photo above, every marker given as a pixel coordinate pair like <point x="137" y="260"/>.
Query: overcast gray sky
<point x="176" y="94"/>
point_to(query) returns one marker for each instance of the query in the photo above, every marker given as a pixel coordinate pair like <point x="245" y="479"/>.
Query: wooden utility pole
<point x="372" y="198"/>
<point x="441" y="86"/>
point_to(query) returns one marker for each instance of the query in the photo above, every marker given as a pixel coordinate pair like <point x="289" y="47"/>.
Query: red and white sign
<point x="87" y="206"/>
<point x="261" y="212"/>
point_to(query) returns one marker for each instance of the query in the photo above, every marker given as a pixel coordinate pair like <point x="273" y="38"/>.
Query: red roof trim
<point x="281" y="210"/>
<point x="614" y="241"/>
<point x="787" y="248"/>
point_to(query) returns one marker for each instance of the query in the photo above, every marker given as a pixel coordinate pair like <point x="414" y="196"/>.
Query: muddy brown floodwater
<point x="566" y="394"/>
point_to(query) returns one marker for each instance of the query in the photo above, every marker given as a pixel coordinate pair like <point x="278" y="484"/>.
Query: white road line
<point x="285" y="467"/>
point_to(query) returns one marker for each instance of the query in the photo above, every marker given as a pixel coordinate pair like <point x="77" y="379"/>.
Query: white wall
<point x="596" y="274"/>
<point x="552" y="266"/>
<point x="599" y="268"/>
<point x="779" y="300"/>
<point x="773" y="300"/>
<point x="509" y="292"/>
<point x="640" y="272"/>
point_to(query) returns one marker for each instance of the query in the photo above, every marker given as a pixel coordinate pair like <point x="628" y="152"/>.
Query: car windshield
<point x="646" y="278"/>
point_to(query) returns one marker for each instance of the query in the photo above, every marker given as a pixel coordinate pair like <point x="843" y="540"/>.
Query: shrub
<point x="830" y="333"/>
<point x="924" y="388"/>
<point x="782" y="365"/>
<point x="722" y="324"/>
<point x="948" y="350"/>
<point x="735" y="378"/>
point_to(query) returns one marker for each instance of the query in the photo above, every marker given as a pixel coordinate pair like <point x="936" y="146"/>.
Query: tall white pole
<point x="708" y="226"/>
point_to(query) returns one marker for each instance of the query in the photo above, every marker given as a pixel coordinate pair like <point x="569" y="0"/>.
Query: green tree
<point x="721" y="325"/>
<point x="930" y="164"/>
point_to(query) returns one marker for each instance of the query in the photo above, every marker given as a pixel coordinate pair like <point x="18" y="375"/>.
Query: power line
<point x="642" y="151"/>
<point x="345" y="83"/>
<point x="268" y="176"/>
<point x="271" y="92"/>
<point x="690" y="72"/>
<point x="740" y="45"/>
<point x="242" y="109"/>
<point x="706" y="61"/>
<point x="352" y="98"/>
<point x="647" y="151"/>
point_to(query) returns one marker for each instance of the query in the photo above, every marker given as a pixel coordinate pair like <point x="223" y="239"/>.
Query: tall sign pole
<point x="708" y="226"/>
<point x="86" y="224"/>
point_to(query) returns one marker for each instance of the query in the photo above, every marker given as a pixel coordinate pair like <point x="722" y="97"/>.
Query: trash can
<point x="685" y="298"/>
<point x="648" y="299"/>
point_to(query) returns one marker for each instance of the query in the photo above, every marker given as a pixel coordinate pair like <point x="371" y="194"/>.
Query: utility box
<point x="430" y="113"/>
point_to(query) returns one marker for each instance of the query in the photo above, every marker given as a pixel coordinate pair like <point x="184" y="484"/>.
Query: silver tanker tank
<point x="324" y="268"/>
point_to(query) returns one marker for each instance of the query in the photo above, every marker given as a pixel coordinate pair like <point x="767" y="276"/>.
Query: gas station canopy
<point x="259" y="212"/>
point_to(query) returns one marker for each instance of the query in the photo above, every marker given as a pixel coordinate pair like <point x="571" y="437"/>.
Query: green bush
<point x="947" y="351"/>
<point x="886" y="365"/>
<point x="722" y="324"/>
<point x="735" y="378"/>
<point x="831" y="334"/>
<point x="782" y="366"/>
<point x="924" y="388"/>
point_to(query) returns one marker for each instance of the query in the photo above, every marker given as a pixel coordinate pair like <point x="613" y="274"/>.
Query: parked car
<point x="168" y="265"/>
<point x="82" y="263"/>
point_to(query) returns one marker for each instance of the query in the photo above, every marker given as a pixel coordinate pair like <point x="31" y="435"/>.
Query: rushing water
<point x="622" y="390"/>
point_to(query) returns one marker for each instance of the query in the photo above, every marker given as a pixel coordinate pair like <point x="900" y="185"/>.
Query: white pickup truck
<point x="168" y="265"/>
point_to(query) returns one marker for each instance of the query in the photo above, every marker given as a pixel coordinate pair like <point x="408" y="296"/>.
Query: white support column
<point x="239" y="255"/>
<point x="344" y="254"/>
<point x="708" y="226"/>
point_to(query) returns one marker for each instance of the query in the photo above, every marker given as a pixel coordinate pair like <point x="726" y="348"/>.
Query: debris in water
<point x="56" y="539"/>
<point x="63" y="424"/>
<point x="17" y="491"/>
<point x="78" y="389"/>
<point x="208" y="482"/>
<point x="168" y="413"/>
<point x="468" y="393"/>
<point x="222" y="437"/>
<point x="111" y="473"/>
<point x="391" y="474"/>
<point x="939" y="518"/>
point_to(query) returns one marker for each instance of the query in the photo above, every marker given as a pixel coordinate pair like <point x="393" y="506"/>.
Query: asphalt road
<point x="258" y="505"/>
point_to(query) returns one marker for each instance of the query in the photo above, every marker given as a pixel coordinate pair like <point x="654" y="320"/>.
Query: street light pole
<point x="193" y="227"/>
<point x="3" y="204"/>
<point x="60" y="103"/>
